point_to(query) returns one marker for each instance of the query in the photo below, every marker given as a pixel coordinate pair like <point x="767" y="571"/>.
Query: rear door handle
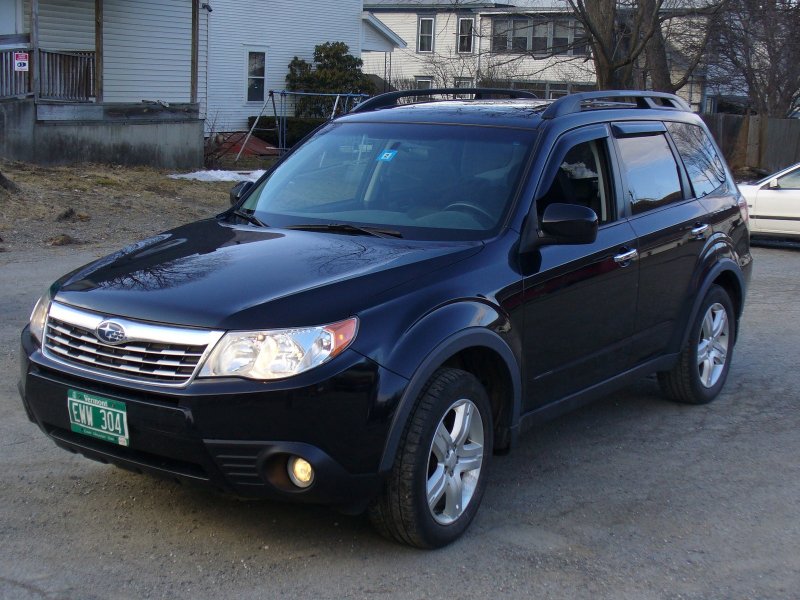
<point x="700" y="230"/>
<point x="625" y="258"/>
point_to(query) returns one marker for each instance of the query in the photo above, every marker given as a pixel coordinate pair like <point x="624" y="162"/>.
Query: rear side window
<point x="650" y="170"/>
<point x="703" y="164"/>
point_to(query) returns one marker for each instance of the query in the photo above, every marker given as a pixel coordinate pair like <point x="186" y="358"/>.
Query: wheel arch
<point x="488" y="357"/>
<point x="728" y="276"/>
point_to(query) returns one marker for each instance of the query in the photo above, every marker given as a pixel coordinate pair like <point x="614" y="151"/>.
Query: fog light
<point x="300" y="472"/>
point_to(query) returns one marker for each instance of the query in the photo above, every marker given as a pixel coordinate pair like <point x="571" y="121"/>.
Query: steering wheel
<point x="480" y="215"/>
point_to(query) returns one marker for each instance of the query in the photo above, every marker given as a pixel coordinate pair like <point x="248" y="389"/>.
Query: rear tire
<point x="439" y="475"/>
<point x="704" y="363"/>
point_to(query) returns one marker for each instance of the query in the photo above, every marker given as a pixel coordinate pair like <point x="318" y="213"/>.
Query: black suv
<point x="398" y="298"/>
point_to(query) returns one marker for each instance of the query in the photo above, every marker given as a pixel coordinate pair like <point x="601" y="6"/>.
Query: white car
<point x="774" y="204"/>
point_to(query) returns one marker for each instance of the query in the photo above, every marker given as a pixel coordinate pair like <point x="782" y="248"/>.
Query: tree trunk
<point x="656" y="55"/>
<point x="7" y="184"/>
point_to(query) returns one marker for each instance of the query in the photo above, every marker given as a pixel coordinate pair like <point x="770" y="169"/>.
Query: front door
<point x="580" y="300"/>
<point x="777" y="206"/>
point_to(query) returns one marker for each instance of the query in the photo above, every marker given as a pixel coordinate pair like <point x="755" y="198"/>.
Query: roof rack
<point x="575" y="103"/>
<point x="391" y="98"/>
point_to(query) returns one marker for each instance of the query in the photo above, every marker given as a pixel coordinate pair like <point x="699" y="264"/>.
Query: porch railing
<point x="13" y="83"/>
<point x="67" y="76"/>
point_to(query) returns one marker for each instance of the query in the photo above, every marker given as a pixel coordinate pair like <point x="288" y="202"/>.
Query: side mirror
<point x="570" y="224"/>
<point x="773" y="184"/>
<point x="563" y="224"/>
<point x="239" y="190"/>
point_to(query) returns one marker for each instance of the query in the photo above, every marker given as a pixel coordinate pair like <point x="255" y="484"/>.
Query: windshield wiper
<point x="250" y="218"/>
<point x="348" y="228"/>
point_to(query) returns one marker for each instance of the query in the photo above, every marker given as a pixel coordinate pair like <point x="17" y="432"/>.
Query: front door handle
<point x="625" y="258"/>
<point x="699" y="230"/>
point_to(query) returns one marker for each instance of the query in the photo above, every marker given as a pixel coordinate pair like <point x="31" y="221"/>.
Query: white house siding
<point x="373" y="40"/>
<point x="66" y="24"/>
<point x="282" y="29"/>
<point x="147" y="50"/>
<point x="202" y="62"/>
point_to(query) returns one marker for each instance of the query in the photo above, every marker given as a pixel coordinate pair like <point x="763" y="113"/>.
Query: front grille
<point x="151" y="355"/>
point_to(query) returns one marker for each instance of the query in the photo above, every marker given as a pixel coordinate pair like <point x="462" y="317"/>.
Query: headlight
<point x="277" y="353"/>
<point x="39" y="316"/>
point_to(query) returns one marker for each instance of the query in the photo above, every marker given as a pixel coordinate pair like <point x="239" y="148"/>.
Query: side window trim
<point x="560" y="149"/>
<point x="686" y="184"/>
<point x="637" y="128"/>
<point x="567" y="141"/>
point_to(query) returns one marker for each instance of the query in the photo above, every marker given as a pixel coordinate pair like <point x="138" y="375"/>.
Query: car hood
<point x="217" y="275"/>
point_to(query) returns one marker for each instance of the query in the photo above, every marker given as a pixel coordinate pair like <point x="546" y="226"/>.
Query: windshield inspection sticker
<point x="387" y="156"/>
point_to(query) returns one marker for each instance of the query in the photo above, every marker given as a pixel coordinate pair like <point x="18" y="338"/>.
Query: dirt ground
<point x="97" y="204"/>
<point x="630" y="498"/>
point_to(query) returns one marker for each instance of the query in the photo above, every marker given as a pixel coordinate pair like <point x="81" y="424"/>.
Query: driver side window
<point x="790" y="181"/>
<point x="583" y="178"/>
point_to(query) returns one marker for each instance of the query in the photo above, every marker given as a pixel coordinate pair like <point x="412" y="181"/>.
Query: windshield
<point x="449" y="182"/>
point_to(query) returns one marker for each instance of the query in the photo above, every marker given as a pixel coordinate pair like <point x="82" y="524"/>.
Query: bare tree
<point x="757" y="52"/>
<point x="646" y="43"/>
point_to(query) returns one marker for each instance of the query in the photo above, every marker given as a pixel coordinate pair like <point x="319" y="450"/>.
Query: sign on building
<point x="21" y="60"/>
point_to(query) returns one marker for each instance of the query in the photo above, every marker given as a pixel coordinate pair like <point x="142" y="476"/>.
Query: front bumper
<point x="232" y="434"/>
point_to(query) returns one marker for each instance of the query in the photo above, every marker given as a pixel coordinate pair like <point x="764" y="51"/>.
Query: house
<point x="536" y="45"/>
<point x="142" y="82"/>
<point x="249" y="49"/>
<point x="473" y="42"/>
<point x="105" y="80"/>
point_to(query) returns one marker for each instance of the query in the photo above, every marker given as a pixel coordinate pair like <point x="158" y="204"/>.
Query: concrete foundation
<point x="51" y="134"/>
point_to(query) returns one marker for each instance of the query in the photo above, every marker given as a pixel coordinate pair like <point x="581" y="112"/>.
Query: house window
<point x="465" y="31"/>
<point x="547" y="89"/>
<point x="540" y="39"/>
<point x="539" y="36"/>
<point x="561" y="37"/>
<point x="580" y="43"/>
<point x="425" y="37"/>
<point x="423" y="83"/>
<point x="500" y="35"/>
<point x="463" y="82"/>
<point x="557" y="90"/>
<point x="256" y="72"/>
<point x="520" y="31"/>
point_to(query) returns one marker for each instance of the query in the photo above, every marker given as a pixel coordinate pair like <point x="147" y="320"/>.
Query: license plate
<point x="99" y="417"/>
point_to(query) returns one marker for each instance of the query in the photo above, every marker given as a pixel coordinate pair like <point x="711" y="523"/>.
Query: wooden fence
<point x="760" y="143"/>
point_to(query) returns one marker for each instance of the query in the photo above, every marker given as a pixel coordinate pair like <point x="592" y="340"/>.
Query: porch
<point x="62" y="76"/>
<point x="104" y="80"/>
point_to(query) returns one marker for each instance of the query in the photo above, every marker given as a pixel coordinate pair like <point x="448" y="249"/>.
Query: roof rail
<point x="391" y="98"/>
<point x="574" y="102"/>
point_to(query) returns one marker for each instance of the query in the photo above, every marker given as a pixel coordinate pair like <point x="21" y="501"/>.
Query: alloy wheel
<point x="454" y="462"/>
<point x="712" y="347"/>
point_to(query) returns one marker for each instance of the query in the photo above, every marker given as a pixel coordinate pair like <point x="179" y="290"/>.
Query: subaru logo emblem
<point x="110" y="332"/>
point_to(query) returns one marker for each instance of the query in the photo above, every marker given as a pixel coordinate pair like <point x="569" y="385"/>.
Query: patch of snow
<point x="217" y="175"/>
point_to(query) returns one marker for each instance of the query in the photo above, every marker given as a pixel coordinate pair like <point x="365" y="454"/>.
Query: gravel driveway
<point x="631" y="497"/>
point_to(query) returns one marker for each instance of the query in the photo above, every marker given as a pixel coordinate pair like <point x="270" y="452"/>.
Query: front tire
<point x="439" y="475"/>
<point x="704" y="364"/>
